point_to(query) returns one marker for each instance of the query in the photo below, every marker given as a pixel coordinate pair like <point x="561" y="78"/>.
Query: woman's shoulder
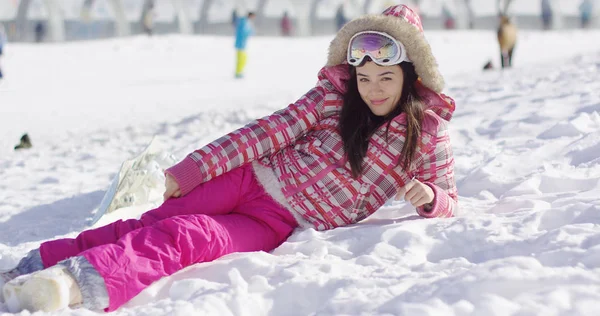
<point x="433" y="124"/>
<point x="334" y="78"/>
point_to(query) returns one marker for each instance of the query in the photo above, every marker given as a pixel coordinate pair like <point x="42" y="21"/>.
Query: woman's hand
<point x="416" y="193"/>
<point x="171" y="188"/>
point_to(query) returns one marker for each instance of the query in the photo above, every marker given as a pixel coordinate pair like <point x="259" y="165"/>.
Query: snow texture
<point x="526" y="143"/>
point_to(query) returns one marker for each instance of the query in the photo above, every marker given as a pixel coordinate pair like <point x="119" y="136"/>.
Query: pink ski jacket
<point x="298" y="157"/>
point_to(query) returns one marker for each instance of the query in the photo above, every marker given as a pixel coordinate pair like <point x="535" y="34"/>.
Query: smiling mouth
<point x="378" y="102"/>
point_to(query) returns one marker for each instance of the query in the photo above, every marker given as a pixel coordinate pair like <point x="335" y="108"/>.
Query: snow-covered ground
<point x="526" y="143"/>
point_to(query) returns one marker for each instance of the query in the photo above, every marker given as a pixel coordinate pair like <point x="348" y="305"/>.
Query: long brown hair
<point x="358" y="123"/>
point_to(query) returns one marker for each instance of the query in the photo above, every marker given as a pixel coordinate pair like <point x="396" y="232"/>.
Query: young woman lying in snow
<point x="374" y="127"/>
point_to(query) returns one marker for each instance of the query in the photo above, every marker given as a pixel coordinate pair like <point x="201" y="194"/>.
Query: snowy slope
<point x="526" y="144"/>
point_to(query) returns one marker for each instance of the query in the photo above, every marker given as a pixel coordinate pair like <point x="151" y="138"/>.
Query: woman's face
<point x="380" y="86"/>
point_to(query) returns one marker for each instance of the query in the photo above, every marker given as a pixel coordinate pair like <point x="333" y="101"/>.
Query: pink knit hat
<point x="405" y="26"/>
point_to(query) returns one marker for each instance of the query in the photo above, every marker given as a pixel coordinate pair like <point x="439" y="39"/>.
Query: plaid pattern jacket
<point x="301" y="149"/>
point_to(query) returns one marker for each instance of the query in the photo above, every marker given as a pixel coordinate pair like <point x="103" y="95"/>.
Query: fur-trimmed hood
<point x="405" y="26"/>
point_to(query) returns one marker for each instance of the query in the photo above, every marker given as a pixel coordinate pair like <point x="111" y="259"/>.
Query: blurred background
<point x="73" y="20"/>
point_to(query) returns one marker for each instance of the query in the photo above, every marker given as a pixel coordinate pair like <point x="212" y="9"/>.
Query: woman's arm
<point x="437" y="172"/>
<point x="256" y="140"/>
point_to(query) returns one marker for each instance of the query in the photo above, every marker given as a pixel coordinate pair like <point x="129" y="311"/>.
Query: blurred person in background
<point x="470" y="14"/>
<point x="148" y="19"/>
<point x="40" y="32"/>
<point x="286" y="24"/>
<point x="374" y="127"/>
<point x="3" y="40"/>
<point x="586" y="9"/>
<point x="449" y="20"/>
<point x="234" y="17"/>
<point x="340" y="17"/>
<point x="243" y="30"/>
<point x="546" y="14"/>
<point x="507" y="39"/>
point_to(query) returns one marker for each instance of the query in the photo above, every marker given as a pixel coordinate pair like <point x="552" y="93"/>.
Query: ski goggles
<point x="383" y="49"/>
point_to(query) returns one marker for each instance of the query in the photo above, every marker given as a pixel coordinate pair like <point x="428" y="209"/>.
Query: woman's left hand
<point x="171" y="187"/>
<point x="416" y="193"/>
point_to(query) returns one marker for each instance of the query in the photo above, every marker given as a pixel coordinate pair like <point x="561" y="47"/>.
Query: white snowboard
<point x="139" y="184"/>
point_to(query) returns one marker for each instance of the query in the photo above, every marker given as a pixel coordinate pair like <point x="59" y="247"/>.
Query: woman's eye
<point x="386" y="79"/>
<point x="363" y="80"/>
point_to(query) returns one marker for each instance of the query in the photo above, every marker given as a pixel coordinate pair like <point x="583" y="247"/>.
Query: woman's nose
<point x="375" y="86"/>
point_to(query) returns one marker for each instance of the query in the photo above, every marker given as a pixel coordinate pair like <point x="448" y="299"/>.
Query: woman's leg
<point x="217" y="196"/>
<point x="145" y="255"/>
<point x="111" y="274"/>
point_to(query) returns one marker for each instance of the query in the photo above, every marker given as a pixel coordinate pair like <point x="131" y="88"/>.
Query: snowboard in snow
<point x="139" y="181"/>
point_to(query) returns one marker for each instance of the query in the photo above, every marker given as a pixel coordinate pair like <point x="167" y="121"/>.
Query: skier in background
<point x="40" y="32"/>
<point x="449" y="21"/>
<point x="243" y="30"/>
<point x="148" y="20"/>
<point x="507" y="39"/>
<point x="586" y="9"/>
<point x="470" y="14"/>
<point x="340" y="17"/>
<point x="546" y="14"/>
<point x="286" y="24"/>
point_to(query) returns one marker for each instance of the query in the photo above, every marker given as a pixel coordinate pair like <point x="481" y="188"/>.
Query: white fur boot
<point x="48" y="290"/>
<point x="5" y="277"/>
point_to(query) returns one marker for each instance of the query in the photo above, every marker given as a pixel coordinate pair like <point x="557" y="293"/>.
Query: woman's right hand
<point x="171" y="188"/>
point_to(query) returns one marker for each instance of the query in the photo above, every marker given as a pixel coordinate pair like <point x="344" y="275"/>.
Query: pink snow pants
<point x="230" y="213"/>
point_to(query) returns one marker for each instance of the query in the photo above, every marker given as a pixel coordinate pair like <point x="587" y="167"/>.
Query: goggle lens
<point x="382" y="49"/>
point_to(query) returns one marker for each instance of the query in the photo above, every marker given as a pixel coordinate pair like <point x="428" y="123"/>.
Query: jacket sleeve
<point x="258" y="139"/>
<point x="437" y="172"/>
